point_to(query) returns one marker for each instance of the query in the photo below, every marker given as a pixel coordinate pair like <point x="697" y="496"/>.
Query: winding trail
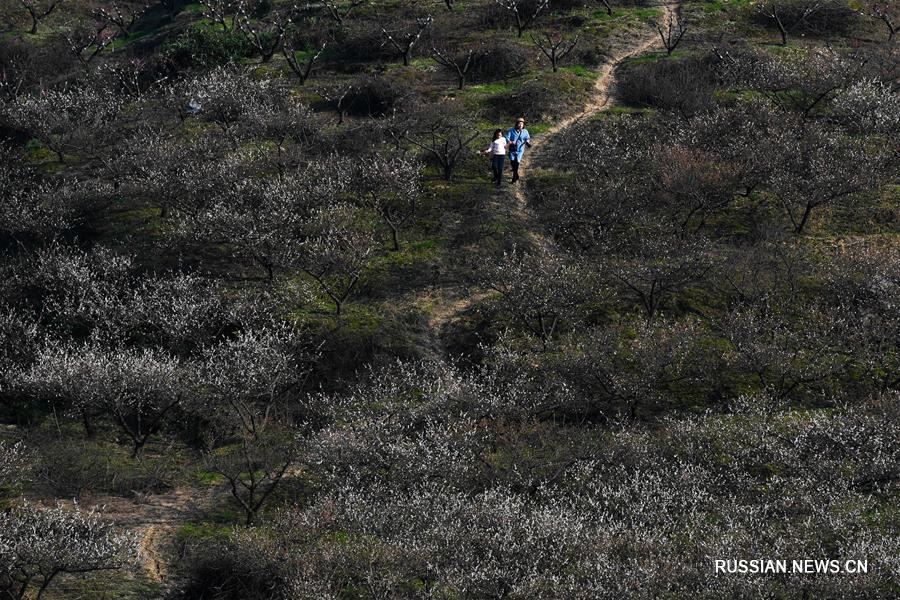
<point x="446" y="312"/>
<point x="598" y="103"/>
<point x="156" y="518"/>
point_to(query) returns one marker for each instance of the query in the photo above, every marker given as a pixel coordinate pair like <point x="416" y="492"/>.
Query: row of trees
<point x="776" y="335"/>
<point x="97" y="341"/>
<point x="804" y="150"/>
<point x="424" y="503"/>
<point x="265" y="29"/>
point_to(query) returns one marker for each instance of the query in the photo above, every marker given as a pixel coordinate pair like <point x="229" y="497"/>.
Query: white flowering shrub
<point x="227" y="97"/>
<point x="822" y="167"/>
<point x="408" y="422"/>
<point x="65" y="119"/>
<point x="101" y="292"/>
<point x="390" y="186"/>
<point x="78" y="288"/>
<point x="655" y="265"/>
<point x="648" y="510"/>
<point x="297" y="222"/>
<point x="246" y="406"/>
<point x="19" y="343"/>
<point x="13" y="463"/>
<point x="629" y="368"/>
<point x="869" y="106"/>
<point x="784" y="350"/>
<point x="31" y="205"/>
<point x="542" y="291"/>
<point x="37" y="544"/>
<point x="136" y="389"/>
<point x="864" y="281"/>
<point x="246" y="376"/>
<point x="179" y="175"/>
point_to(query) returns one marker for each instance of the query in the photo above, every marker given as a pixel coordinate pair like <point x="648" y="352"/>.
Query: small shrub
<point x="360" y="44"/>
<point x="538" y="99"/>
<point x="232" y="569"/>
<point x="72" y="469"/>
<point x="374" y="97"/>
<point x="811" y="17"/>
<point x="206" y="47"/>
<point x="588" y="53"/>
<point x="498" y="61"/>
<point x="684" y="85"/>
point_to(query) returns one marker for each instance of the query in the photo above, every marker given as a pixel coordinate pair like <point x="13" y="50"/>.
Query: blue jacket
<point x="518" y="138"/>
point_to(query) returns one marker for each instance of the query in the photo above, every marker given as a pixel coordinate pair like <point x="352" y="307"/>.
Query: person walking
<point x="518" y="139"/>
<point x="498" y="149"/>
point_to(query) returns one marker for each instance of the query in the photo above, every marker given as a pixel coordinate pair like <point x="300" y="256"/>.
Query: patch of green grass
<point x="204" y="477"/>
<point x="723" y="5"/>
<point x="489" y="88"/>
<point x="132" y="37"/>
<point x="538" y="128"/>
<point x="105" y="585"/>
<point x="36" y="152"/>
<point x="422" y="63"/>
<point x="646" y="13"/>
<point x="408" y="255"/>
<point x="580" y="71"/>
<point x="226" y="516"/>
<point x="202" y="531"/>
<point x="655" y="56"/>
<point x="194" y="8"/>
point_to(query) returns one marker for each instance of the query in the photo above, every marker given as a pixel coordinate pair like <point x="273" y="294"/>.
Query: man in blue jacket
<point x="518" y="140"/>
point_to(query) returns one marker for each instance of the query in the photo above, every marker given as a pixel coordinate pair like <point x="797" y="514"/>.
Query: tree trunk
<point x="799" y="227"/>
<point x="136" y="447"/>
<point x="88" y="426"/>
<point x="23" y="588"/>
<point x="782" y="31"/>
<point x="44" y="585"/>
<point x="395" y="239"/>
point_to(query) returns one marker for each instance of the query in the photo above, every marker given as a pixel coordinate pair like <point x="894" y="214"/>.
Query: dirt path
<point x="599" y="102"/>
<point x="446" y="312"/>
<point x="154" y="519"/>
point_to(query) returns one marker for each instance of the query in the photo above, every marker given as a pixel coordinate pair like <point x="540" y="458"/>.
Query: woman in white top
<point x="497" y="150"/>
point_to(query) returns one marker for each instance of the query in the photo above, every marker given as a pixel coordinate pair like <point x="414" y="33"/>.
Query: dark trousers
<point x="515" y="169"/>
<point x="497" y="167"/>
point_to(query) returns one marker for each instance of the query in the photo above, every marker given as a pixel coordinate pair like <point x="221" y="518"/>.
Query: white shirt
<point x="498" y="146"/>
